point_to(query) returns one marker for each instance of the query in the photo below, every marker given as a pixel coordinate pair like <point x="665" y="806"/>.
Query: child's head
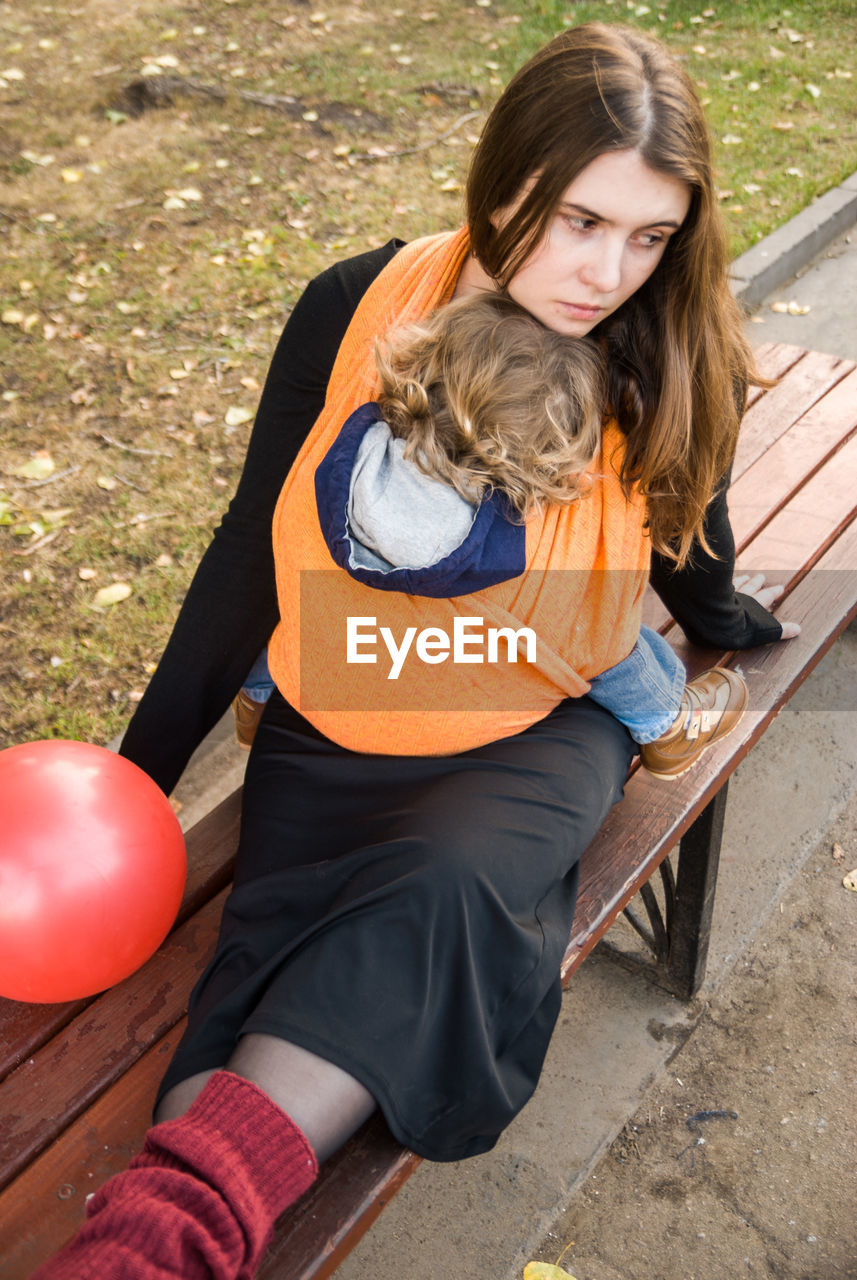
<point x="488" y="398"/>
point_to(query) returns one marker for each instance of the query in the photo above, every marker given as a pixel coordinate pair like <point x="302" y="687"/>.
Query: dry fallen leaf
<point x="792" y="308"/>
<point x="545" y="1271"/>
<point x="33" y="157"/>
<point x="838" y="851"/>
<point x="40" y="466"/>
<point x="236" y="417"/>
<point x="114" y="594"/>
<point x="850" y="881"/>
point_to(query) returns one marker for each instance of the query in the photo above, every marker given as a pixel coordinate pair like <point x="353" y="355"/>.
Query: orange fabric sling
<point x="581" y="593"/>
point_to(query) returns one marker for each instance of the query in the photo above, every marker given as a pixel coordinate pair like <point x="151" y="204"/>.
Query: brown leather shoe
<point x="716" y="701"/>
<point x="247" y="714"/>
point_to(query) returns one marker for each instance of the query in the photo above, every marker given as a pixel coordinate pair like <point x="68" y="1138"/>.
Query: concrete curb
<point x="782" y="254"/>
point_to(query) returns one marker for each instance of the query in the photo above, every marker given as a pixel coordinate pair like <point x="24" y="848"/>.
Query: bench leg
<point x="696" y="881"/>
<point x="678" y="927"/>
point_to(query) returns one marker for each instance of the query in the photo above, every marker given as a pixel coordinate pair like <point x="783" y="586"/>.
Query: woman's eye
<point x="650" y="240"/>
<point x="578" y="223"/>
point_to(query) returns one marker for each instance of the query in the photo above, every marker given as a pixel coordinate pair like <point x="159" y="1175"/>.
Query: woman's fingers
<point x="748" y="583"/>
<point x="753" y="584"/>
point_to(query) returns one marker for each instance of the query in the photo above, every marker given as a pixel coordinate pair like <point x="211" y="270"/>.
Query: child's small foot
<point x="247" y="714"/>
<point x="711" y="706"/>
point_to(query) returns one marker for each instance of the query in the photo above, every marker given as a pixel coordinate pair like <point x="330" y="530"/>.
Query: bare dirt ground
<point x="741" y="1162"/>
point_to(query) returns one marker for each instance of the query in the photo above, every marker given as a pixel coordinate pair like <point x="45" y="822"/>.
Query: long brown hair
<point x="678" y="365"/>
<point x="488" y="398"/>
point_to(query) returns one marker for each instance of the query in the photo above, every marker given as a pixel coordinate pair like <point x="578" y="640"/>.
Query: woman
<point x="406" y="876"/>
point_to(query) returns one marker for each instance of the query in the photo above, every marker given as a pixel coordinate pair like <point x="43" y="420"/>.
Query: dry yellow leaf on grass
<point x="236" y="417"/>
<point x="113" y="594"/>
<point x="545" y="1271"/>
<point x="40" y="466"/>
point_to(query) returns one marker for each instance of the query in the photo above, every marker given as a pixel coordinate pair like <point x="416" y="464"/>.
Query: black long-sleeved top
<point x="231" y="606"/>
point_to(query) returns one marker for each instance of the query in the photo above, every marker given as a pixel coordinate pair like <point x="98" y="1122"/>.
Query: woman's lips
<point x="580" y="312"/>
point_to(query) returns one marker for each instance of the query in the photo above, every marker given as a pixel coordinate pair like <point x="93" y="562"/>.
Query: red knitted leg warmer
<point x="201" y="1199"/>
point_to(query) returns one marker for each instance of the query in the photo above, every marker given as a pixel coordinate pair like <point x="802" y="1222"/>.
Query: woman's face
<point x="608" y="234"/>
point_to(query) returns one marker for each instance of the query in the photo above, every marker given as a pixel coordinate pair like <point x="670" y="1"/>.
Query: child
<point x="481" y="402"/>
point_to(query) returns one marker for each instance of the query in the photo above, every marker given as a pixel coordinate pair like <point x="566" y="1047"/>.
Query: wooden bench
<point x="77" y="1080"/>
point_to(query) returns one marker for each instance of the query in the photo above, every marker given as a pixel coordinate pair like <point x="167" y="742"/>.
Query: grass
<point x="150" y="259"/>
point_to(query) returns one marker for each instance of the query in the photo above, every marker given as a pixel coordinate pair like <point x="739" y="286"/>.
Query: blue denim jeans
<point x="259" y="686"/>
<point x="644" y="690"/>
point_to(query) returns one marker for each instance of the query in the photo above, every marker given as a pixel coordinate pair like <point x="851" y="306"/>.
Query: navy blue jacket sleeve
<point x="230" y="608"/>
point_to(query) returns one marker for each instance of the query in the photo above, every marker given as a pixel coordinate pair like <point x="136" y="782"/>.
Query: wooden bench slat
<point x="25" y="1028"/>
<point x="773" y="360"/>
<point x="764" y="422"/>
<point x="43" y="1095"/>
<point x="778" y="483"/>
<point x="757" y="496"/>
<point x="810" y="522"/>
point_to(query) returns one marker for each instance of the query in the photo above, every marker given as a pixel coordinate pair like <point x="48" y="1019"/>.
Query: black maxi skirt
<point x="405" y="917"/>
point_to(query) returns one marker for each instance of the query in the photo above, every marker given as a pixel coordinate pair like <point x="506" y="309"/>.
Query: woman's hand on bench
<point x="767" y="596"/>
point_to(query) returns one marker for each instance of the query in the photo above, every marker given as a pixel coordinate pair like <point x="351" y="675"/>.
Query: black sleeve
<point x="231" y="606"/>
<point x="701" y="597"/>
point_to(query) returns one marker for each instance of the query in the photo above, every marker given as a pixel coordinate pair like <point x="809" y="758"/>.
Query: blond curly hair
<point x="487" y="398"/>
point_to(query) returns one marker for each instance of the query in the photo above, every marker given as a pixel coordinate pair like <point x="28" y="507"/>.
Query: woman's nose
<point x="602" y="269"/>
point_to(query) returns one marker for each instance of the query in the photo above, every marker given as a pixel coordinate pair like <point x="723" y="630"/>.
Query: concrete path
<point x="618" y="1032"/>
<point x="827" y="286"/>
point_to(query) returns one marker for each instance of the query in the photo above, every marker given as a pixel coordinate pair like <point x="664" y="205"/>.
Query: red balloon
<point x="92" y="870"/>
